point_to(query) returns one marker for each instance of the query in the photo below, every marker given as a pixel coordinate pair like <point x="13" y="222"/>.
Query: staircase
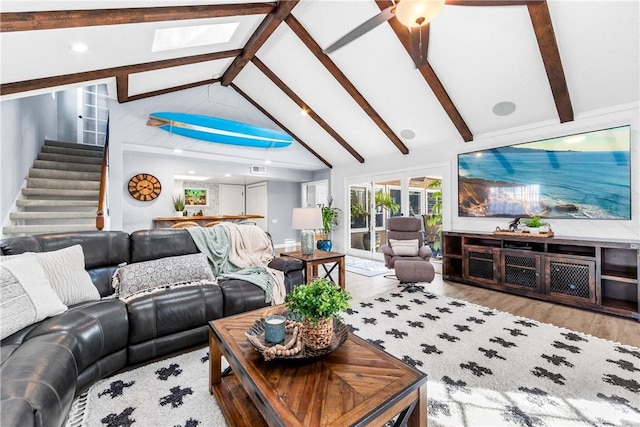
<point x="62" y="189"/>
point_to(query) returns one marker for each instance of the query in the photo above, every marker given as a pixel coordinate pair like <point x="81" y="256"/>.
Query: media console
<point x="595" y="275"/>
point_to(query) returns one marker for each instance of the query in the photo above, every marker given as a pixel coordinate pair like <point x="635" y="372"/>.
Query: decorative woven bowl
<point x="340" y="333"/>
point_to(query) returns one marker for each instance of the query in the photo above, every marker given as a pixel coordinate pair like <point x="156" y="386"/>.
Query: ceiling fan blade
<point x="363" y="28"/>
<point x="419" y="42"/>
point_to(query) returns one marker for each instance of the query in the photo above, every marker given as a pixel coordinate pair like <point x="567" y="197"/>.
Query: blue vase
<point x="324" y="245"/>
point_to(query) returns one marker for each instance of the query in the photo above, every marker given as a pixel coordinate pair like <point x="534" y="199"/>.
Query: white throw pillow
<point x="404" y="247"/>
<point x="65" y="270"/>
<point x="26" y="296"/>
<point x="144" y="276"/>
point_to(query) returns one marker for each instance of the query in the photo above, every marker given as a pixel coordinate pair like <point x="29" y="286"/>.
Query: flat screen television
<point x="586" y="175"/>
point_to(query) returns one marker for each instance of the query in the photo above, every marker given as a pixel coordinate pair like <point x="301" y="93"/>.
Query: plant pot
<point x="178" y="213"/>
<point x="318" y="336"/>
<point x="324" y="245"/>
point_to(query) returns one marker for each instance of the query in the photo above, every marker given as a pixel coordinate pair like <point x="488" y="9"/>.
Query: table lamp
<point x="307" y="220"/>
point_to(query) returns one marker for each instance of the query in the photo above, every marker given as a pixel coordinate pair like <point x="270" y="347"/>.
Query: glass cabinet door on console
<point x="521" y="270"/>
<point x="571" y="279"/>
<point x="480" y="264"/>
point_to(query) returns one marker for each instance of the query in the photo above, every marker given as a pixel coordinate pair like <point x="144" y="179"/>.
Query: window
<point x="94" y="104"/>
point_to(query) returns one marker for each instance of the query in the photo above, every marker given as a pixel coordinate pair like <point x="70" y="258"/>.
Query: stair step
<point x="60" y="174"/>
<point x="36" y="203"/>
<point x="15" y="216"/>
<point x="51" y="143"/>
<point x="70" y="159"/>
<point x="71" y="151"/>
<point x="63" y="184"/>
<point x="44" y="229"/>
<point x="77" y="167"/>
<point x="56" y="192"/>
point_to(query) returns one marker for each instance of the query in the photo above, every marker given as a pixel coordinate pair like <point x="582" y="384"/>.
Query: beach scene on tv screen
<point x="578" y="176"/>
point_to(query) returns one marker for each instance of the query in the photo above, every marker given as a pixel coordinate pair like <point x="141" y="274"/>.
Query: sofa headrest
<point x="101" y="248"/>
<point x="161" y="243"/>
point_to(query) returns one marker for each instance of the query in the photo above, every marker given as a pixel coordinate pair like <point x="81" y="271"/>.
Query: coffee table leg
<point x="418" y="417"/>
<point x="215" y="361"/>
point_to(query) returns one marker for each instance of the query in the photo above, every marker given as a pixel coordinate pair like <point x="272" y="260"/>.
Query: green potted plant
<point x="329" y="223"/>
<point x="316" y="304"/>
<point x="435" y="218"/>
<point x="385" y="202"/>
<point x="534" y="224"/>
<point x="178" y="204"/>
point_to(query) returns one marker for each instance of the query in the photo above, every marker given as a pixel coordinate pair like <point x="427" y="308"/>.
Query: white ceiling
<point x="482" y="56"/>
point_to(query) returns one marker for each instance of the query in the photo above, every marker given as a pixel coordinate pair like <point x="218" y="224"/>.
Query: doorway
<point x="373" y="200"/>
<point x="231" y="199"/>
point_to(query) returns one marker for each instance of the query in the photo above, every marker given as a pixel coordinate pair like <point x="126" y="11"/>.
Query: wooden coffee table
<point x="356" y="385"/>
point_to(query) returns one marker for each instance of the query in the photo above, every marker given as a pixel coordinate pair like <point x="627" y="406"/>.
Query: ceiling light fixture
<point x="416" y="13"/>
<point x="177" y="150"/>
<point x="79" y="47"/>
<point x="227" y="175"/>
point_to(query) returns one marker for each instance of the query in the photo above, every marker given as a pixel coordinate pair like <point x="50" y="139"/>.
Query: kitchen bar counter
<point x="167" y="222"/>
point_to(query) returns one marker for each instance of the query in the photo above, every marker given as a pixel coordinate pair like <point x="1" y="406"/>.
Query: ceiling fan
<point x="415" y="15"/>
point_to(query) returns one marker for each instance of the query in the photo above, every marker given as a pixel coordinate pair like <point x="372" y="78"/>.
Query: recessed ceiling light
<point x="191" y="171"/>
<point x="407" y="134"/>
<point x="191" y="177"/>
<point x="227" y="175"/>
<point x="199" y="35"/>
<point x="267" y="162"/>
<point x="304" y="112"/>
<point x="79" y="47"/>
<point x="177" y="150"/>
<point x="504" y="108"/>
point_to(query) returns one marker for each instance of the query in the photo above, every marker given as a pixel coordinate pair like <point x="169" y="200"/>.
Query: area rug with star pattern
<point x="485" y="367"/>
<point x="490" y="368"/>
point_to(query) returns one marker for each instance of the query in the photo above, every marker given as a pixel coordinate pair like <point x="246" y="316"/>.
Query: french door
<point x="372" y="201"/>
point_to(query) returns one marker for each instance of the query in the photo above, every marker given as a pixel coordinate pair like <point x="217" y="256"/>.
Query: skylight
<point x="200" y="35"/>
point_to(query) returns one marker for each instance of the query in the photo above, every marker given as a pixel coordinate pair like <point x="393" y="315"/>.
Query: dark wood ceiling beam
<point x="303" y="106"/>
<point x="122" y="87"/>
<point x="65" y="79"/>
<point x="543" y="28"/>
<point x="430" y="77"/>
<point x="313" y="46"/>
<point x="280" y="125"/>
<point x="47" y="20"/>
<point x="258" y="38"/>
<point x="169" y="90"/>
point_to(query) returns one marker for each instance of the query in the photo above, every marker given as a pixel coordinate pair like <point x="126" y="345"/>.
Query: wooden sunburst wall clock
<point x="144" y="187"/>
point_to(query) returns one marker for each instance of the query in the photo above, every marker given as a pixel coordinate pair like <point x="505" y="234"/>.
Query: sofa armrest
<point x="292" y="269"/>
<point x="286" y="264"/>
<point x="425" y="252"/>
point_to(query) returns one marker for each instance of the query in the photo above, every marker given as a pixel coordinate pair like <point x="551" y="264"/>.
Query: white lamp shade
<point x="306" y="218"/>
<point x="415" y="13"/>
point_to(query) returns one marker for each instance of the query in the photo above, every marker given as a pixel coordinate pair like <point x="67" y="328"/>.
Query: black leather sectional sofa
<point x="44" y="366"/>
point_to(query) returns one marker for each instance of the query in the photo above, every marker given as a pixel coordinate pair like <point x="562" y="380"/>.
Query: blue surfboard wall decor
<point x="222" y="131"/>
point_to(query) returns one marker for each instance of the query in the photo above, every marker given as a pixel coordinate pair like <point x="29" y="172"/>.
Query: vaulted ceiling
<point x="555" y="60"/>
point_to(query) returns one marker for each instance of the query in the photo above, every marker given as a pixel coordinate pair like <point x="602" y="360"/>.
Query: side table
<point x="311" y="263"/>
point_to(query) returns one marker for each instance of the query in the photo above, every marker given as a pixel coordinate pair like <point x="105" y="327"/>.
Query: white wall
<point x="26" y="123"/>
<point x="444" y="158"/>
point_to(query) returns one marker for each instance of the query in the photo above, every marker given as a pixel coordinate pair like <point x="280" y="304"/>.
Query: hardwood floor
<point x="622" y="330"/>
